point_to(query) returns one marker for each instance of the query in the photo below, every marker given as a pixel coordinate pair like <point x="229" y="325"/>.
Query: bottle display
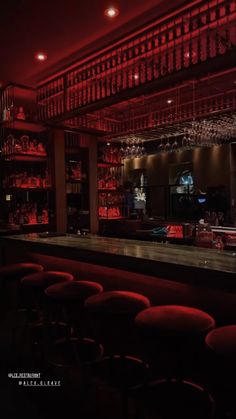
<point x="77" y="186"/>
<point x="27" y="196"/>
<point x="18" y="103"/>
<point x="29" y="179"/>
<point x="28" y="213"/>
<point x="73" y="171"/>
<point x="110" y="179"/>
<point x="23" y="145"/>
<point x="25" y="186"/>
<point x="111" y="154"/>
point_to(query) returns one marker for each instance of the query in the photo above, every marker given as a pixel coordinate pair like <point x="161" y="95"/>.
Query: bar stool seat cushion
<point x="117" y="302"/>
<point x="222" y="340"/>
<point x="19" y="270"/>
<point x="73" y="290"/>
<point x="171" y="399"/>
<point x="45" y="279"/>
<point x="174" y="321"/>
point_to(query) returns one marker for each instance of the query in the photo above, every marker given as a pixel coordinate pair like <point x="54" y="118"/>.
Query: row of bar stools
<point x="178" y="333"/>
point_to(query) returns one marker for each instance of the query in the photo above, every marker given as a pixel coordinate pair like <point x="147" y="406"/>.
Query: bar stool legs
<point x="181" y="331"/>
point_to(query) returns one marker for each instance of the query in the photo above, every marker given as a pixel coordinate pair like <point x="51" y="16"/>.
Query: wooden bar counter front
<point x="187" y="264"/>
<point x="167" y="274"/>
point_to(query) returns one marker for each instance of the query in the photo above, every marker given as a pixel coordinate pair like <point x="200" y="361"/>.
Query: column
<point x="93" y="182"/>
<point x="60" y="180"/>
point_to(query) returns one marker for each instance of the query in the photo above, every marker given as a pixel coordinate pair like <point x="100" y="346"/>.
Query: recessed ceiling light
<point x="41" y="56"/>
<point x="136" y="76"/>
<point x="111" y="12"/>
<point x="187" y="54"/>
<point x="169" y="101"/>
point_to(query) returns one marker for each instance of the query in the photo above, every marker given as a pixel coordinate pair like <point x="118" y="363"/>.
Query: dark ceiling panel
<point x="65" y="29"/>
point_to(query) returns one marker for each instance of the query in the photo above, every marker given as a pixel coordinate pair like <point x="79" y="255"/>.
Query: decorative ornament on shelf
<point x="21" y="114"/>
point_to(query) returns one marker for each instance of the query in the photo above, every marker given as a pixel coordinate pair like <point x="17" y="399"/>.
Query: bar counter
<point x="186" y="264"/>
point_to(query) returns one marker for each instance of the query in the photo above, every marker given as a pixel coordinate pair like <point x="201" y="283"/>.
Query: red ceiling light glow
<point x="187" y="54"/>
<point x="111" y="12"/>
<point x="169" y="101"/>
<point x="41" y="56"/>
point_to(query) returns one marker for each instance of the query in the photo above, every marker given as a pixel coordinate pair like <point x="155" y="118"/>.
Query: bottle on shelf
<point x="6" y="116"/>
<point x="26" y="179"/>
<point x="28" y="213"/>
<point x="23" y="145"/>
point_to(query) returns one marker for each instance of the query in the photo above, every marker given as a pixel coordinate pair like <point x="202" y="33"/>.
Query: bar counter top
<point x="175" y="262"/>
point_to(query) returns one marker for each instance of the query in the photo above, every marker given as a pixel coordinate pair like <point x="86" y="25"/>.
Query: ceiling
<point x="66" y="30"/>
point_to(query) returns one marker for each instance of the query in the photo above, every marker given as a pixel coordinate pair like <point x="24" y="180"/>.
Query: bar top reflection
<point x="189" y="256"/>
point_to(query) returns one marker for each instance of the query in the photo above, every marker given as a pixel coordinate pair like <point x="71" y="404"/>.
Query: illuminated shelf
<point x="112" y="218"/>
<point x="18" y="226"/>
<point x="24" y="157"/>
<point x="36" y="224"/>
<point x="22" y="125"/>
<point x="112" y="205"/>
<point x="106" y="164"/>
<point x="14" y="189"/>
<point x="108" y="190"/>
<point x="73" y="181"/>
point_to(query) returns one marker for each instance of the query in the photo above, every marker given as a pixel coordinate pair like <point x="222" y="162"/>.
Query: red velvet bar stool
<point x="12" y="301"/>
<point x="10" y="276"/>
<point x="70" y="357"/>
<point x="43" y="332"/>
<point x="221" y="343"/>
<point x="175" y="330"/>
<point x="69" y="300"/>
<point x="112" y="314"/>
<point x="38" y="282"/>
<point x="174" y="336"/>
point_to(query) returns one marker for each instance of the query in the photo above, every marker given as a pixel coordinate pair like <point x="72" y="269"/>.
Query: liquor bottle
<point x="218" y="244"/>
<point x="12" y="112"/>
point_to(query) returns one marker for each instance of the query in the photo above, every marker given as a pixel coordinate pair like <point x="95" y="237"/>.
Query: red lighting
<point x="187" y="54"/>
<point x="169" y="101"/>
<point x="111" y="12"/>
<point x="136" y="76"/>
<point x="41" y="56"/>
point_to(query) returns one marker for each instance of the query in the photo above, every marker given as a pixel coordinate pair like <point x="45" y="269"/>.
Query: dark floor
<point x="87" y="398"/>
